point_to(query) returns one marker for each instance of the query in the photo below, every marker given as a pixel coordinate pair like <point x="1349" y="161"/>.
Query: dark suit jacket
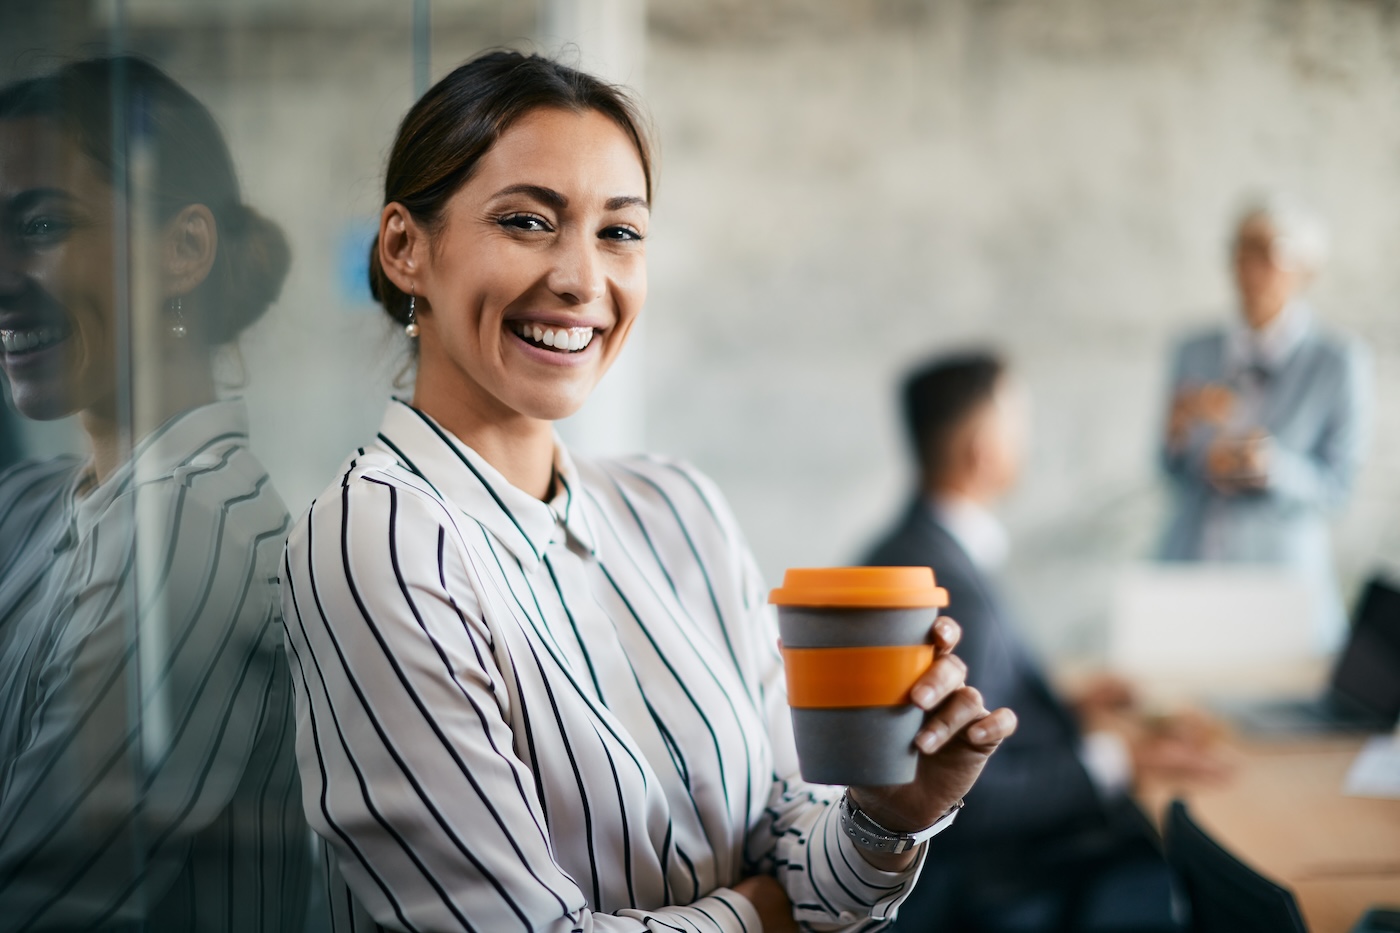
<point x="1034" y="785"/>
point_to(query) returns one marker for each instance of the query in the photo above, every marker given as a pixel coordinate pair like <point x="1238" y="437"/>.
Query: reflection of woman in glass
<point x="536" y="693"/>
<point x="146" y="767"/>
<point x="1268" y="417"/>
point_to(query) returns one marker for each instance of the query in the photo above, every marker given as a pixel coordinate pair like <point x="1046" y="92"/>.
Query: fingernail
<point x="923" y="696"/>
<point x="945" y="631"/>
<point x="927" y="742"/>
<point x="977" y="734"/>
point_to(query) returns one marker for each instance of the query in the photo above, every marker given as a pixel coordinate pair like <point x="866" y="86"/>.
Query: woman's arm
<point x="409" y="764"/>
<point x="797" y="838"/>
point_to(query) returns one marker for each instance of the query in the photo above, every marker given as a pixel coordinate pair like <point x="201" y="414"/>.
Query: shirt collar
<point x="976" y="530"/>
<point x="167" y="449"/>
<point x="462" y="477"/>
<point x="1270" y="347"/>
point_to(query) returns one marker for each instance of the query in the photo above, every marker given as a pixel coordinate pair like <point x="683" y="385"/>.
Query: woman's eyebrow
<point x="622" y="201"/>
<point x="552" y="198"/>
<point x="547" y="196"/>
<point x="31" y="196"/>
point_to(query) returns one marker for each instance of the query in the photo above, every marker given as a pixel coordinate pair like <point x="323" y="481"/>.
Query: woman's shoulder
<point x="371" y="482"/>
<point x="28" y="479"/>
<point x="31" y="495"/>
<point x="674" y="490"/>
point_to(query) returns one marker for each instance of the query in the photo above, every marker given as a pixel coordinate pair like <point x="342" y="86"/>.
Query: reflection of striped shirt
<point x="515" y="715"/>
<point x="147" y="773"/>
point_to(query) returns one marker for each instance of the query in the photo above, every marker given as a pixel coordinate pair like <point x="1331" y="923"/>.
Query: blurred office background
<point x="845" y="186"/>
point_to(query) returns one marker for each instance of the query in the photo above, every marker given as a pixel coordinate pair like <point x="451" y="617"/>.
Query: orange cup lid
<point x="860" y="587"/>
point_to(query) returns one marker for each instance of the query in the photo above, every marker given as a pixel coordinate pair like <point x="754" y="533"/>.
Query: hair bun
<point x="258" y="259"/>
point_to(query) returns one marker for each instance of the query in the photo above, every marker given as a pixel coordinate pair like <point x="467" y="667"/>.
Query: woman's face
<point x="536" y="272"/>
<point x="57" y="262"/>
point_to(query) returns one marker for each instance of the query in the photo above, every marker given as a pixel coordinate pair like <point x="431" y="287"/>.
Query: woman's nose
<point x="12" y="277"/>
<point x="578" y="271"/>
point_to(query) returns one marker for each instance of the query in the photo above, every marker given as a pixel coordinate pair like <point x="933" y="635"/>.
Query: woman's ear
<point x="402" y="246"/>
<point x="191" y="242"/>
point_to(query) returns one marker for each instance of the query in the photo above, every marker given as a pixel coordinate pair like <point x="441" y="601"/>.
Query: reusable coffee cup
<point x="854" y="642"/>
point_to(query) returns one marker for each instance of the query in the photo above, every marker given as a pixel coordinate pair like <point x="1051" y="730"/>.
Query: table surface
<point x="1284" y="814"/>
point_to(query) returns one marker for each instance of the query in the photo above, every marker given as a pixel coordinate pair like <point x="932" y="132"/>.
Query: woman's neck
<point x="521" y="449"/>
<point x="182" y="389"/>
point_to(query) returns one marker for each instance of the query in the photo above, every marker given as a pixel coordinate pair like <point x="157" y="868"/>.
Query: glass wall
<point x="189" y="189"/>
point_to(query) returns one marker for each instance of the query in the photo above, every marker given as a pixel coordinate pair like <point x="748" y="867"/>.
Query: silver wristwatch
<point x="873" y="837"/>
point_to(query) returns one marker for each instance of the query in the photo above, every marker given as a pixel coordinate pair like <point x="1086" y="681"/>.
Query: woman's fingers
<point x="947" y="673"/>
<point x="993" y="729"/>
<point x="946" y="635"/>
<point x="957" y="712"/>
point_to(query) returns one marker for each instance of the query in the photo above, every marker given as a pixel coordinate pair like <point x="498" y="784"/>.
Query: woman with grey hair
<point x="1268" y="416"/>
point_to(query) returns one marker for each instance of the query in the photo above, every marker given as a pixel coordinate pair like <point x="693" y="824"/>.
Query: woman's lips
<point x="553" y="337"/>
<point x="25" y="340"/>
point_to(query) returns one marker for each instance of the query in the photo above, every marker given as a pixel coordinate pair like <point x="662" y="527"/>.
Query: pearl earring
<point x="411" y="328"/>
<point x="177" y="327"/>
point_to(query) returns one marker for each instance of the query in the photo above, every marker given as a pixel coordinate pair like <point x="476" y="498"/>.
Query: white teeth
<point x="21" y="341"/>
<point x="568" y="340"/>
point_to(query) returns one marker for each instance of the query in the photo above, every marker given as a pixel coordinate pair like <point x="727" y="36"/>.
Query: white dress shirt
<point x="515" y="715"/>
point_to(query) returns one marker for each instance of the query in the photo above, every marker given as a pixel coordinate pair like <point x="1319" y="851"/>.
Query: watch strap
<point x="871" y="836"/>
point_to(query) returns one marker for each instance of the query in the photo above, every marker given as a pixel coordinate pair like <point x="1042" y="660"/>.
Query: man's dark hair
<point x="940" y="393"/>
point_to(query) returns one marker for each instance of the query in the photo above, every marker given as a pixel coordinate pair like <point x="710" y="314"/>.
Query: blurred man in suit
<point x="1050" y="839"/>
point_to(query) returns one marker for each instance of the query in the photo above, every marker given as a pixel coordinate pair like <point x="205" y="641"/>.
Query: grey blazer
<point x="1316" y="407"/>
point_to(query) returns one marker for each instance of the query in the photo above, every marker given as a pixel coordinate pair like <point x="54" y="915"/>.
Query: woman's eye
<point x="527" y="222"/>
<point x="43" y="229"/>
<point x="620" y="233"/>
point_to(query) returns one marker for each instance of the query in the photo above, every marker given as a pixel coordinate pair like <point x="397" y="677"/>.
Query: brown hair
<point x="444" y="136"/>
<point x="92" y="98"/>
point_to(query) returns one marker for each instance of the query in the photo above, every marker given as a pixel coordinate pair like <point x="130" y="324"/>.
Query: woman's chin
<point x="554" y="410"/>
<point x="557" y="402"/>
<point x="42" y="403"/>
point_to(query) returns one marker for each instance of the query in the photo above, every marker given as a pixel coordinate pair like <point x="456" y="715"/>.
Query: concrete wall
<point x="846" y="189"/>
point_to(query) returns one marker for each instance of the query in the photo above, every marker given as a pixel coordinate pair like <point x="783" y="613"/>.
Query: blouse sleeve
<point x="798" y="838"/>
<point x="407" y="758"/>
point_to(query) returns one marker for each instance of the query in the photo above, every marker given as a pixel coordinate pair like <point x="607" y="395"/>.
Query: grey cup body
<point x="856" y="745"/>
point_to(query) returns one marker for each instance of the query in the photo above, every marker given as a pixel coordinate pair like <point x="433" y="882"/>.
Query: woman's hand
<point x="957" y="738"/>
<point x="771" y="902"/>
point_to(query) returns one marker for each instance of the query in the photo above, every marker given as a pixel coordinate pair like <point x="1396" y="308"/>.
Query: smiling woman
<point x="536" y="693"/>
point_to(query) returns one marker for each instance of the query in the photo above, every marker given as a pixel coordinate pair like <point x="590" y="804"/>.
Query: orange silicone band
<point x="827" y="678"/>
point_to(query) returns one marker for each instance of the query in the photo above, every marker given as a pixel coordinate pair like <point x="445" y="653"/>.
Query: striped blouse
<point x="563" y="716"/>
<point x="147" y="768"/>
